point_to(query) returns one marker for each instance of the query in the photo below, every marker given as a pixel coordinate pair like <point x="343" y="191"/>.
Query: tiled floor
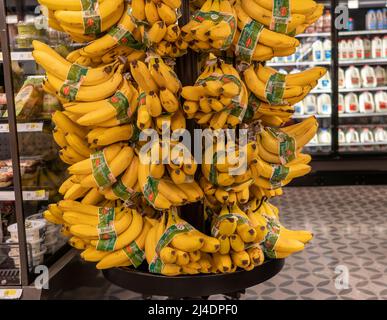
<point x="350" y="228"/>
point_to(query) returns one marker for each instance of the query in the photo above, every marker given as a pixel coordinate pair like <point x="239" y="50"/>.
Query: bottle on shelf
<point x="359" y="48"/>
<point x="352" y="136"/>
<point x="324" y="104"/>
<point x="380" y="135"/>
<point x="384" y="47"/>
<point x="366" y="136"/>
<point x="384" y="18"/>
<point x="381" y="101"/>
<point x="351" y="103"/>
<point x="350" y="25"/>
<point x="379" y="19"/>
<point x="341" y="135"/>
<point x="341" y="104"/>
<point x="366" y="103"/>
<point x="341" y="77"/>
<point x="310" y="104"/>
<point x="352" y="78"/>
<point x="350" y="50"/>
<point x="371" y="20"/>
<point x="367" y="48"/>
<point x="368" y="77"/>
<point x="377" y="48"/>
<point x="299" y="108"/>
<point x="327" y="48"/>
<point x="327" y="21"/>
<point x="317" y="49"/>
<point x="324" y="136"/>
<point x="381" y="78"/>
<point x="324" y="82"/>
<point x="343" y="50"/>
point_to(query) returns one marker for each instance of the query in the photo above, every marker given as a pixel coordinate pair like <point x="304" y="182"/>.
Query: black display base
<point x="202" y="285"/>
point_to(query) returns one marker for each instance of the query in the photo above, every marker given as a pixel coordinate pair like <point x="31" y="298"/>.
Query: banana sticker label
<point x="235" y="216"/>
<point x="73" y="82"/>
<point x="271" y="238"/>
<point x="134" y="254"/>
<point x="91" y="17"/>
<point x="106" y="230"/>
<point x="120" y="102"/>
<point x="287" y="145"/>
<point x="252" y="107"/>
<point x="157" y="265"/>
<point x="151" y="190"/>
<point x="124" y="37"/>
<point x="213" y="172"/>
<point x="248" y="41"/>
<point x="275" y="88"/>
<point x="279" y="174"/>
<point x="281" y="16"/>
<point x="124" y="193"/>
<point x="101" y="170"/>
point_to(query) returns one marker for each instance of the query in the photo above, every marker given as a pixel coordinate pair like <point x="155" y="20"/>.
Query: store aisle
<point x="350" y="238"/>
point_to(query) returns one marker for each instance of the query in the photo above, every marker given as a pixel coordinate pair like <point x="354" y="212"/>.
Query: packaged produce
<point x="36" y="246"/>
<point x="381" y="101"/>
<point x="34" y="230"/>
<point x="368" y="77"/>
<point x="351" y="103"/>
<point x="324" y="104"/>
<point x="352" y="78"/>
<point x="366" y="103"/>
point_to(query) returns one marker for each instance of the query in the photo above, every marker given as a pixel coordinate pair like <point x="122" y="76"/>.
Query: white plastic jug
<point x="324" y="82"/>
<point x="327" y="47"/>
<point x="324" y="136"/>
<point x="367" y="44"/>
<point x="317" y="49"/>
<point x="341" y="106"/>
<point x="327" y="21"/>
<point x="310" y="104"/>
<point x="351" y="103"/>
<point x="379" y="19"/>
<point x="371" y="21"/>
<point x="299" y="108"/>
<point x="384" y="49"/>
<point x="359" y="48"/>
<point x="324" y="104"/>
<point x="380" y="134"/>
<point x="343" y="50"/>
<point x="366" y="136"/>
<point x="350" y="50"/>
<point x="368" y="77"/>
<point x="341" y="78"/>
<point x="341" y="136"/>
<point x="352" y="136"/>
<point x="352" y="78"/>
<point x="381" y="101"/>
<point x="380" y="74"/>
<point x="377" y="48"/>
<point x="366" y="103"/>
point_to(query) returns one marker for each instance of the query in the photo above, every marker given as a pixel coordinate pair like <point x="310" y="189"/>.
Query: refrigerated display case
<point x="30" y="169"/>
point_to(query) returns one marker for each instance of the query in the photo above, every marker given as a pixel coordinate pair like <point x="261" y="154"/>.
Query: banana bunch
<point x="237" y="236"/>
<point x="83" y="21"/>
<point x="219" y="97"/>
<point x="276" y="241"/>
<point x="167" y="182"/>
<point x="212" y="28"/>
<point x="173" y="247"/>
<point x="157" y="21"/>
<point x="280" y="159"/>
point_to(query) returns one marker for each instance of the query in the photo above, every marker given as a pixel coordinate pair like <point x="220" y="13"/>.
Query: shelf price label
<point x="23" y="127"/>
<point x="35" y="195"/>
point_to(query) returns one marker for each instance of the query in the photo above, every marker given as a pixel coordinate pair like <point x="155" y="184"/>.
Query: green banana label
<point x="73" y="82"/>
<point x="236" y="216"/>
<point x="134" y="254"/>
<point x="279" y="173"/>
<point x="217" y="17"/>
<point x="101" y="170"/>
<point x="106" y="231"/>
<point x="252" y="107"/>
<point x="248" y="41"/>
<point x="92" y="22"/>
<point x="120" y="102"/>
<point x="281" y="16"/>
<point x="271" y="238"/>
<point x="275" y="88"/>
<point x="213" y="172"/>
<point x="124" y="37"/>
<point x="136" y="133"/>
<point x="125" y="193"/>
<point x="156" y="265"/>
<point x="287" y="145"/>
<point x="151" y="190"/>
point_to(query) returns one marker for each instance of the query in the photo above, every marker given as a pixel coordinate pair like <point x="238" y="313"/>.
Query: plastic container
<point x="327" y="21"/>
<point x="37" y="259"/>
<point x="368" y="77"/>
<point x="36" y="247"/>
<point x="35" y="230"/>
<point x="310" y="104"/>
<point x="341" y="136"/>
<point x="352" y="136"/>
<point x="377" y="48"/>
<point x="324" y="83"/>
<point x="384" y="47"/>
<point x="380" y="134"/>
<point x="366" y="136"/>
<point x="359" y="48"/>
<point x="51" y="235"/>
<point x="367" y="44"/>
<point x="379" y="19"/>
<point x="366" y="103"/>
<point x="324" y="136"/>
<point x="52" y="246"/>
<point x="27" y="29"/>
<point x="317" y="49"/>
<point x="371" y="20"/>
<point x="341" y="78"/>
<point x="352" y="78"/>
<point x="350" y="50"/>
<point x="351" y="103"/>
<point x="341" y="105"/>
<point x="350" y="24"/>
<point x="343" y="50"/>
<point x="327" y="49"/>
<point x="299" y="108"/>
<point x="380" y="101"/>
<point x="381" y="76"/>
<point x="324" y="104"/>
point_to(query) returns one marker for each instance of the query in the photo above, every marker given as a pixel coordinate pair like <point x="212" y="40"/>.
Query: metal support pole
<point x="335" y="81"/>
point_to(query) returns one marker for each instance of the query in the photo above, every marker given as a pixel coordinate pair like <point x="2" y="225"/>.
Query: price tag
<point x="10" y="294"/>
<point x="353" y="4"/>
<point x="23" y="127"/>
<point x="22" y="56"/>
<point x="11" y="19"/>
<point x="35" y="195"/>
<point x="4" y="127"/>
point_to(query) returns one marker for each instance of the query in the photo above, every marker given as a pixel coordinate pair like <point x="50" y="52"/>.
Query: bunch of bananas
<point x="157" y="21"/>
<point x="168" y="181"/>
<point x="212" y="28"/>
<point x="237" y="239"/>
<point x="280" y="159"/>
<point x="258" y="40"/>
<point x="275" y="240"/>
<point x="174" y="247"/>
<point x="83" y="20"/>
<point x="219" y="97"/>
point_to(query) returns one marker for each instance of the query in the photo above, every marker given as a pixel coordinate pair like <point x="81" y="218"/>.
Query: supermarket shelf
<point x="361" y="115"/>
<point x="317" y="34"/>
<point x="300" y="63"/>
<point x="362" y="32"/>
<point x="362" y="62"/>
<point x="19" y="56"/>
<point x="23" y="127"/>
<point x="321" y="91"/>
<point x="364" y="89"/>
<point x="318" y="145"/>
<point x="319" y="116"/>
<point x="363" y="144"/>
<point x="36" y="195"/>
